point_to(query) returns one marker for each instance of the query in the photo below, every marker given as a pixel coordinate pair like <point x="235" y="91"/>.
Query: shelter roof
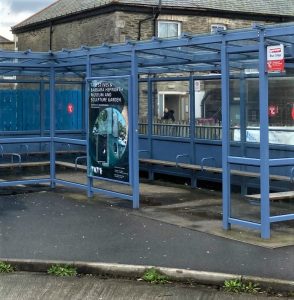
<point x="64" y="8"/>
<point x="187" y="54"/>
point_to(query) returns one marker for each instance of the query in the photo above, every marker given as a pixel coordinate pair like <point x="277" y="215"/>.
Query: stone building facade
<point x="6" y="44"/>
<point x="117" y="27"/>
<point x="72" y="23"/>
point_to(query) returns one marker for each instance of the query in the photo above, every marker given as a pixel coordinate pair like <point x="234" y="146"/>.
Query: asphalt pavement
<point x="60" y="225"/>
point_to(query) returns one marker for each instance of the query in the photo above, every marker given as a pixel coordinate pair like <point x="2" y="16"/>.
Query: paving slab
<point x="23" y="286"/>
<point x="201" y="210"/>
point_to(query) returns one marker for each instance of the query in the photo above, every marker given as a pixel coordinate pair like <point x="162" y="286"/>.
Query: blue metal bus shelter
<point x="228" y="57"/>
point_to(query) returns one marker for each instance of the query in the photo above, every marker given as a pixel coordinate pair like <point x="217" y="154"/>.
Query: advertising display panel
<point x="108" y="126"/>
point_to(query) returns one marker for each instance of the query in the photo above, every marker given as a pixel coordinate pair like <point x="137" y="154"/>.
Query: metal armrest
<point x="292" y="175"/>
<point x="179" y="156"/>
<point x="26" y="146"/>
<point x="77" y="159"/>
<point x="18" y="156"/>
<point x="207" y="158"/>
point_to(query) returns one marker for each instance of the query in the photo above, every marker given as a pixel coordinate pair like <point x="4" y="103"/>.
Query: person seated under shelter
<point x="168" y="114"/>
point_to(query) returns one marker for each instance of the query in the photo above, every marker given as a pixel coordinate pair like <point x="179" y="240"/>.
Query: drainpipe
<point x="50" y="36"/>
<point x="154" y="18"/>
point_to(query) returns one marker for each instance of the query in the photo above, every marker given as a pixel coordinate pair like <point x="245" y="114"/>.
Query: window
<point x="215" y="27"/>
<point x="169" y="29"/>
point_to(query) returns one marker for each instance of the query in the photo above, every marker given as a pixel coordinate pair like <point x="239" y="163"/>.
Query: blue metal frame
<point x="226" y="178"/>
<point x="223" y="52"/>
<point x="264" y="140"/>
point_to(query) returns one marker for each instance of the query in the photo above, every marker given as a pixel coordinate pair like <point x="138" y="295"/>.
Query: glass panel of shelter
<point x="171" y="108"/>
<point x="20" y="117"/>
<point x="281" y="139"/>
<point x="143" y="108"/>
<point x="70" y="124"/>
<point x="244" y="140"/>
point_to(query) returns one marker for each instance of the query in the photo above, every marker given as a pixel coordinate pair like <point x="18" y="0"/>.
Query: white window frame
<point x="161" y="100"/>
<point x="159" y="22"/>
<point x="214" y="27"/>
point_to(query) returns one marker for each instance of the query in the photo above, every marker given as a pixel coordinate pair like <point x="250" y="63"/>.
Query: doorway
<point x="176" y="101"/>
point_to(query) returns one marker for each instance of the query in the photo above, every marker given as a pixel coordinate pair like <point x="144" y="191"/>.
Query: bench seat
<point x="274" y="196"/>
<point x="166" y="163"/>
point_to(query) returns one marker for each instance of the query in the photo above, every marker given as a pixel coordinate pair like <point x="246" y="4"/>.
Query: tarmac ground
<point x="63" y="224"/>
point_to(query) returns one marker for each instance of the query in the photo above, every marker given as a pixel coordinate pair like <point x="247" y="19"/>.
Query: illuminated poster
<point x="108" y="125"/>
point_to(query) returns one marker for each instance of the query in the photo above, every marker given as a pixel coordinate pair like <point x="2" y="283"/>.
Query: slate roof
<point x="62" y="8"/>
<point x="4" y="40"/>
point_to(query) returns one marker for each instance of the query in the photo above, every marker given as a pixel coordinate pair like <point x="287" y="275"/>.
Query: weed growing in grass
<point x="153" y="276"/>
<point x="233" y="286"/>
<point x="5" y="267"/>
<point x="62" y="270"/>
<point x="237" y="286"/>
<point x="251" y="288"/>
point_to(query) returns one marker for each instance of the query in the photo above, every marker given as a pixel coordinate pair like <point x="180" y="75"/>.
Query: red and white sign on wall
<point x="275" y="58"/>
<point x="70" y="108"/>
<point x="273" y="110"/>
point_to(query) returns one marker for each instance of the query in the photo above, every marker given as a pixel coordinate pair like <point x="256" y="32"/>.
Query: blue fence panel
<point x="28" y="110"/>
<point x="68" y="109"/>
<point x="8" y="111"/>
<point x="20" y="110"/>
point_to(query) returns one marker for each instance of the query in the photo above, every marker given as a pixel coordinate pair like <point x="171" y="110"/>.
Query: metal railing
<point x="181" y="129"/>
<point x="213" y="131"/>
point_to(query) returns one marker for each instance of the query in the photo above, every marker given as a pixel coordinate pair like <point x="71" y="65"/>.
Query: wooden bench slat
<point x="189" y="166"/>
<point x="25" y="164"/>
<point x="42" y="163"/>
<point x="70" y="165"/>
<point x="158" y="162"/>
<point x="154" y="162"/>
<point x="274" y="196"/>
<point x="209" y="169"/>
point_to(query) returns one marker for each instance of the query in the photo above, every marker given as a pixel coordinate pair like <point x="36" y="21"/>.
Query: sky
<point x="13" y="12"/>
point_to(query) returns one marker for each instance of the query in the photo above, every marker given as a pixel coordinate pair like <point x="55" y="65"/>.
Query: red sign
<point x="273" y="110"/>
<point x="292" y="113"/>
<point x="276" y="66"/>
<point x="70" y="108"/>
<point x="275" y="58"/>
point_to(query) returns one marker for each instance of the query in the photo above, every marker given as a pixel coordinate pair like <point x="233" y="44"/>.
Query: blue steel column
<point x="264" y="140"/>
<point x="225" y="136"/>
<point x="243" y="125"/>
<point x="192" y="129"/>
<point x="150" y="125"/>
<point x="134" y="130"/>
<point x="52" y="127"/>
<point x="88" y="75"/>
